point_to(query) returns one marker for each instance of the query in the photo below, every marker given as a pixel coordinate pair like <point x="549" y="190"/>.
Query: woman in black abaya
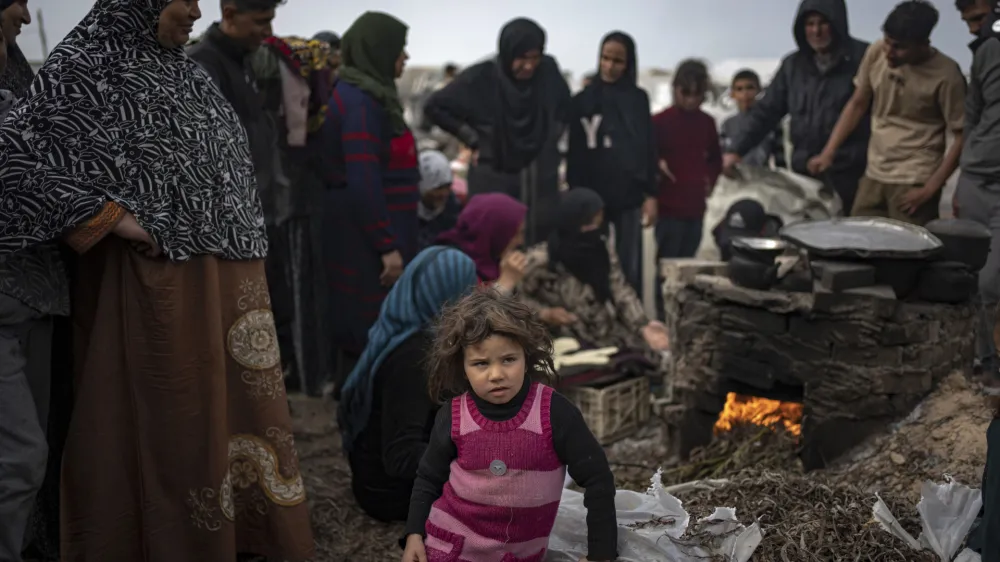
<point x="612" y="151"/>
<point x="511" y="111"/>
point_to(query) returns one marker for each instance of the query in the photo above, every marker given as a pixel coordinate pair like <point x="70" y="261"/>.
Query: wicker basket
<point x="615" y="411"/>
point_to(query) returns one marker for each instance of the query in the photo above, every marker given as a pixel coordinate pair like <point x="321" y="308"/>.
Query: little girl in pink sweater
<point x="489" y="484"/>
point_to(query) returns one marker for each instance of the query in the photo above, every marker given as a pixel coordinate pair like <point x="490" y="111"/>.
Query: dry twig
<point x="811" y="519"/>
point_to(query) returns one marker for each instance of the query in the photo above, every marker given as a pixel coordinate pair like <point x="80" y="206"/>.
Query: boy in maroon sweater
<point x="690" y="162"/>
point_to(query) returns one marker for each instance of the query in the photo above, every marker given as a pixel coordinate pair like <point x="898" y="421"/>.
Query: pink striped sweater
<point x="501" y="499"/>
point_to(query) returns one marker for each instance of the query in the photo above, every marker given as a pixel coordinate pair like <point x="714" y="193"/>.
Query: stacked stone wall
<point x="857" y="360"/>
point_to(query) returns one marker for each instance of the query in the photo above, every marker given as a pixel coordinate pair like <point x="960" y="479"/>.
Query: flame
<point x="759" y="411"/>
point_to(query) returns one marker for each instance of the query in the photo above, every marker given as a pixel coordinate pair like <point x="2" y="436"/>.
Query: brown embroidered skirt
<point x="180" y="447"/>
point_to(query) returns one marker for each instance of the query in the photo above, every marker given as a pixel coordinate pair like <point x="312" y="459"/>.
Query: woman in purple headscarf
<point x="490" y="230"/>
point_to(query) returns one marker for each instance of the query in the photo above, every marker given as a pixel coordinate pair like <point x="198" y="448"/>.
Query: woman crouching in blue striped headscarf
<point x="385" y="412"/>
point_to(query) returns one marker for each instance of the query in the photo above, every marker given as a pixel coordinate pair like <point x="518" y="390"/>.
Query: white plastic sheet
<point x="947" y="512"/>
<point x="651" y="528"/>
<point x="889" y="523"/>
<point x="968" y="556"/>
<point x="783" y="193"/>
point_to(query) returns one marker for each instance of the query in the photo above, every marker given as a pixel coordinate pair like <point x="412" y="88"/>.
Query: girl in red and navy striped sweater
<point x="489" y="484"/>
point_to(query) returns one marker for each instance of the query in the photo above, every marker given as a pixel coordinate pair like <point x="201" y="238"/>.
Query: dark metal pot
<point x="964" y="241"/>
<point x="760" y="250"/>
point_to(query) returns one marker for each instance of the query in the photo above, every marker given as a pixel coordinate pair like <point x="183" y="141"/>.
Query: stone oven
<point x="856" y="360"/>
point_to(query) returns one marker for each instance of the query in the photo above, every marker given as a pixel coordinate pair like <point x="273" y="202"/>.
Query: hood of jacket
<point x="835" y="11"/>
<point x="990" y="27"/>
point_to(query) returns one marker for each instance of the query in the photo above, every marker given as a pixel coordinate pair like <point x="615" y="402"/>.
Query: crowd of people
<point x="199" y="226"/>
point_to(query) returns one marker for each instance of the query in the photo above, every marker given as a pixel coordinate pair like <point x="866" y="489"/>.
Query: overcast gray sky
<point x="464" y="30"/>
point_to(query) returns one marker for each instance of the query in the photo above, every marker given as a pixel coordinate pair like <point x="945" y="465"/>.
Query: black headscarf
<point x="624" y="109"/>
<point x="516" y="115"/>
<point x="522" y="124"/>
<point x="584" y="254"/>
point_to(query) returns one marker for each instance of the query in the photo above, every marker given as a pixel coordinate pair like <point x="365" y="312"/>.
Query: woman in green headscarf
<point x="371" y="208"/>
<point x="373" y="55"/>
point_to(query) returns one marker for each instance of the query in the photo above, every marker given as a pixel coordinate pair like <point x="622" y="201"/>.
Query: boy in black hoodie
<point x="612" y="151"/>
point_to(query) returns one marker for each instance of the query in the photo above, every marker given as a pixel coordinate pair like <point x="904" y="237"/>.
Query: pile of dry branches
<point x="811" y="519"/>
<point x="746" y="446"/>
<point x="804" y="518"/>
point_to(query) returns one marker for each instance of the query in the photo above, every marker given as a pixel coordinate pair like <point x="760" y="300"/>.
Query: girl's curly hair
<point x="482" y="314"/>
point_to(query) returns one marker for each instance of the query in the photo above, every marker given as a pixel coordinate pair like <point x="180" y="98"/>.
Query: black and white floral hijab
<point x="114" y="116"/>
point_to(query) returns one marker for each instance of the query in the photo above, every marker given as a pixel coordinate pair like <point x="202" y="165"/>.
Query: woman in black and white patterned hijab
<point x="120" y="114"/>
<point x="180" y="443"/>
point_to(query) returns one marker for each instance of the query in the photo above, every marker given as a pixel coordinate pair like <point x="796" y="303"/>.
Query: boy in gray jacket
<point x="744" y="91"/>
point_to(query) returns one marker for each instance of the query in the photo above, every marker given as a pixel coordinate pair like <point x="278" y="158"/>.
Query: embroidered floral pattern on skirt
<point x="180" y="446"/>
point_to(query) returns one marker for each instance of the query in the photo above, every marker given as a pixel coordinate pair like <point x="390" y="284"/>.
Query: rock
<point x="941" y="433"/>
<point x="885" y="292"/>
<point x="682" y="271"/>
<point x="877" y="300"/>
<point x="839" y="276"/>
<point x="897" y="459"/>
<point x="751" y="319"/>
<point x="720" y="289"/>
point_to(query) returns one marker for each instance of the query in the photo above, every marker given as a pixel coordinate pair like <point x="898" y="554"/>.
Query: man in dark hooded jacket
<point x="812" y="86"/>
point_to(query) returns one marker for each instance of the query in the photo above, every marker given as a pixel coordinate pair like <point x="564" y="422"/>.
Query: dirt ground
<point x="945" y="435"/>
<point x="343" y="532"/>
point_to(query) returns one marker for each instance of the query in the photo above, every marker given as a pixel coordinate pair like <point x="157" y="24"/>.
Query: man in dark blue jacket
<point x="812" y="86"/>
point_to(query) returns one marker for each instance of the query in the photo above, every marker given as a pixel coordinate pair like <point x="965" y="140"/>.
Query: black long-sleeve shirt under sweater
<point x="574" y="444"/>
